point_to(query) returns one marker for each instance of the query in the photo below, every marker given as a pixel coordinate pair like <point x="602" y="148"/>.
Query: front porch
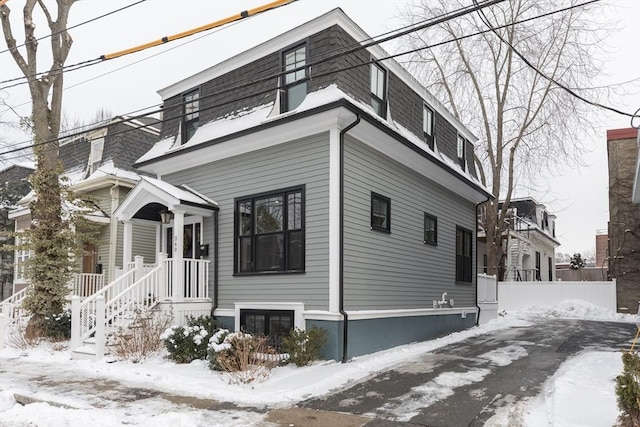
<point x="177" y="282"/>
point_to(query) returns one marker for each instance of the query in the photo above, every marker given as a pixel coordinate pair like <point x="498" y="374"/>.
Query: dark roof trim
<point x="303" y="114"/>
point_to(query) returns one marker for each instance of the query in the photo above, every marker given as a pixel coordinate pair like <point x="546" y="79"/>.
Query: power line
<point x="77" y="25"/>
<point x="357" y="45"/>
<point x="570" y="91"/>
<point x="226" y="88"/>
<point x="72" y="67"/>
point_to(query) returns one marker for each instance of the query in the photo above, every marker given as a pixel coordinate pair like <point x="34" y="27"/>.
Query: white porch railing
<point x="86" y="284"/>
<point x="114" y="305"/>
<point x="10" y="311"/>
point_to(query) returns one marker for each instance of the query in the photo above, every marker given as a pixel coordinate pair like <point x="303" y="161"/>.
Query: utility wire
<point x="77" y="25"/>
<point x="226" y="88"/>
<point x="570" y="91"/>
<point x="266" y="75"/>
<point x="72" y="67"/>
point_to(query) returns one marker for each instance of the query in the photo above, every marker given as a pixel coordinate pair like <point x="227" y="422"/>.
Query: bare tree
<point x="526" y="124"/>
<point x="49" y="236"/>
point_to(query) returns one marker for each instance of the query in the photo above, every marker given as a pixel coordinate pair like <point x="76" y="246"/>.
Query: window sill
<point x="430" y="243"/>
<point x="381" y="230"/>
<point x="264" y="273"/>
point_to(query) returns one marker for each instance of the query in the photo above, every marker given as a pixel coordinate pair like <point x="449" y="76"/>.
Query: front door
<point x="191" y="241"/>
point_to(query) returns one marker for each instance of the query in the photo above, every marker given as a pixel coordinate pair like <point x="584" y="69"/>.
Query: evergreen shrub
<point x="304" y="347"/>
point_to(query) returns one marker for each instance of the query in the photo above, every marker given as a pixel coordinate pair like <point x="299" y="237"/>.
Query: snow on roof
<point x="262" y="114"/>
<point x="179" y="193"/>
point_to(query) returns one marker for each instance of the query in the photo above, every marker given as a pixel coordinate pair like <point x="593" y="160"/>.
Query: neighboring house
<point x="602" y="249"/>
<point x="98" y="163"/>
<point x="529" y="243"/>
<point x="624" y="215"/>
<point x="14" y="185"/>
<point x="319" y="184"/>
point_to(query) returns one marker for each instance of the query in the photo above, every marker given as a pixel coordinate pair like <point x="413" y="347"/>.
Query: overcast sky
<point x="579" y="198"/>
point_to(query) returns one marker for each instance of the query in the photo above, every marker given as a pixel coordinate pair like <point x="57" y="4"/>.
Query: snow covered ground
<point x="581" y="393"/>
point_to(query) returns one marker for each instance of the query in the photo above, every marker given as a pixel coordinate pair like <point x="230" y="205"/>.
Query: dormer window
<point x="378" y="89"/>
<point x="295" y="84"/>
<point x="427" y="125"/>
<point x="461" y="149"/>
<point x="191" y="114"/>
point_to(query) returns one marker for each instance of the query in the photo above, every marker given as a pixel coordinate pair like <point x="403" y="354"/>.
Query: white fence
<point x="520" y="295"/>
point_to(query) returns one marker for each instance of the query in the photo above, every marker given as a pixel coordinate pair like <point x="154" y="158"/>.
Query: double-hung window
<point x="461" y="150"/>
<point x="295" y="84"/>
<point x="427" y="125"/>
<point x="378" y="89"/>
<point x="463" y="255"/>
<point x="380" y="213"/>
<point x="23" y="253"/>
<point x="191" y="114"/>
<point x="430" y="229"/>
<point x="270" y="232"/>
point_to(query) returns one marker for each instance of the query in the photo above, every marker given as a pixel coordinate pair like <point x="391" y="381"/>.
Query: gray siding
<point x="301" y="162"/>
<point x="397" y="270"/>
<point x="144" y="241"/>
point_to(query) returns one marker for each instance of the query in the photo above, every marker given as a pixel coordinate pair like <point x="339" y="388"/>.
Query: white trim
<point x="334" y="220"/>
<point x="265" y="138"/>
<point x="385" y="314"/>
<point x="103" y="181"/>
<point x="224" y="312"/>
<point x="297" y="307"/>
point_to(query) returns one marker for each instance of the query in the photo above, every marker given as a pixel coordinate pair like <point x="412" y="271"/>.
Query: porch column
<point x="178" y="264"/>
<point x="127" y="245"/>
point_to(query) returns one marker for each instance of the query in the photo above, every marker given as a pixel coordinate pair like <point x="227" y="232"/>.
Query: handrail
<point x="141" y="295"/>
<point x="88" y="306"/>
<point x="12" y="306"/>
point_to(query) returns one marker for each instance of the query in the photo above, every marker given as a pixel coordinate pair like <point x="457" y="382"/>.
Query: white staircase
<point x="114" y="307"/>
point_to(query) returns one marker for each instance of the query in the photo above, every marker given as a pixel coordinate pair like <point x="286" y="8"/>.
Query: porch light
<point x="165" y="217"/>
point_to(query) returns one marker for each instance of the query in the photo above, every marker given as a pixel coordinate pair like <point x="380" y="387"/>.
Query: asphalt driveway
<point x="483" y="374"/>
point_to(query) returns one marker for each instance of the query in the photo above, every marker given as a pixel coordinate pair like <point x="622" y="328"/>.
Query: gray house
<point x="317" y="183"/>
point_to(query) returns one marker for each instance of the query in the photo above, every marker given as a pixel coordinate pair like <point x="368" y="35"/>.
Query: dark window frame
<point x="464" y="261"/>
<point x="427" y="240"/>
<point x="461" y="145"/>
<point x="253" y="236"/>
<point x="429" y="134"/>
<point x="274" y="341"/>
<point x="538" y="267"/>
<point x="286" y="87"/>
<point x="374" y="225"/>
<point x="190" y="120"/>
<point x="374" y="96"/>
<point x="550" y="268"/>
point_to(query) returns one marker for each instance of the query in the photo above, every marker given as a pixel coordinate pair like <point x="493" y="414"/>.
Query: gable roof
<point x="148" y="197"/>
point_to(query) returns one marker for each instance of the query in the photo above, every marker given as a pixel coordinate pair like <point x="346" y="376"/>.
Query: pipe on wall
<point x="345" y="325"/>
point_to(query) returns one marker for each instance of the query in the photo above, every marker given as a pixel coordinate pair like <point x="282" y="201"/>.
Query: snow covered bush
<point x="304" y="347"/>
<point x="142" y="338"/>
<point x="628" y="390"/>
<point x="188" y="343"/>
<point x="58" y="326"/>
<point x="241" y="356"/>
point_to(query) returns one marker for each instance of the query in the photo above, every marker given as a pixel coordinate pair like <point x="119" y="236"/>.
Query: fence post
<point x="4" y="322"/>
<point x="162" y="275"/>
<point x="139" y="262"/>
<point x="75" y="322"/>
<point x="100" y="326"/>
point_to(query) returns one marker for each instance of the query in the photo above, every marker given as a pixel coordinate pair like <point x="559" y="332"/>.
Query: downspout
<point x="113" y="231"/>
<point x="215" y="264"/>
<point x="344" y="314"/>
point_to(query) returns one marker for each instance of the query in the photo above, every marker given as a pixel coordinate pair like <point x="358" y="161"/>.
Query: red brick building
<point x="624" y="215"/>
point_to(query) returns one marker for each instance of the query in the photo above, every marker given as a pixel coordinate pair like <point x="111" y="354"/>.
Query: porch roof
<point x="150" y="196"/>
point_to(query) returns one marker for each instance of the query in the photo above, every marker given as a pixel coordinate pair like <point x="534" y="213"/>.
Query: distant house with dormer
<point x="528" y="244"/>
